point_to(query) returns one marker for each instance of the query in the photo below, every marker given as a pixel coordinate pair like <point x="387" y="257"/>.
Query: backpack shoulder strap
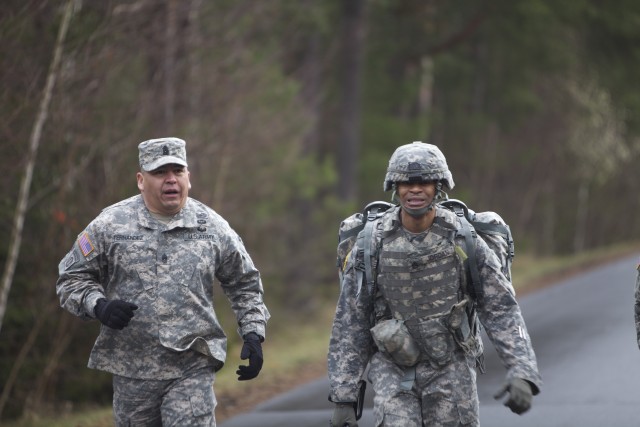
<point x="372" y="212"/>
<point x="367" y="241"/>
<point x="468" y="232"/>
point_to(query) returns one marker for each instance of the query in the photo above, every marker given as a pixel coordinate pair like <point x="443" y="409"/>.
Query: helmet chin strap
<point x="418" y="213"/>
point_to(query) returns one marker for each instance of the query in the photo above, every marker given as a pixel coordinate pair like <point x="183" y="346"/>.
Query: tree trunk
<point x="21" y="357"/>
<point x="25" y="185"/>
<point x="582" y="210"/>
<point x="550" y="215"/>
<point x="64" y="333"/>
<point x="349" y="140"/>
<point x="194" y="47"/>
<point x="425" y="96"/>
<point x="170" y="66"/>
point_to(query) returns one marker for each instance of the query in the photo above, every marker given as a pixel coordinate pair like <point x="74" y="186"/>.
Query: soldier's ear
<point x="140" y="179"/>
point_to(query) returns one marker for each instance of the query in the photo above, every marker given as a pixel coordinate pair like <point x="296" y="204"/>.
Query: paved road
<point x="583" y="333"/>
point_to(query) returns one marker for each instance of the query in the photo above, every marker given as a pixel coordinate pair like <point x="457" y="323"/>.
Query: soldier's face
<point x="415" y="196"/>
<point x="165" y="190"/>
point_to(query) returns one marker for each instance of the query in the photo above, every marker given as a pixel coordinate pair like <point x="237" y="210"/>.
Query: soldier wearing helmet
<point x="417" y="327"/>
<point x="419" y="163"/>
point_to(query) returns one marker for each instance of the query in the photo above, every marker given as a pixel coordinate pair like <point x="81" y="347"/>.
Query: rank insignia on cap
<point x="165" y="150"/>
<point x="85" y="244"/>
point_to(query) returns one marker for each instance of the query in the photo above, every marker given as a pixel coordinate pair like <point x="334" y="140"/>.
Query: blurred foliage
<point x="535" y="103"/>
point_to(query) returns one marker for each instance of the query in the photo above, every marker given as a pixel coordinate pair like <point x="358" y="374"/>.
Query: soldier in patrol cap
<point x="415" y="327"/>
<point x="145" y="268"/>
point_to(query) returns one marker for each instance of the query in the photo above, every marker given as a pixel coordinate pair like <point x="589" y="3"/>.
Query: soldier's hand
<point x="115" y="314"/>
<point x="252" y="350"/>
<point x="520" y="395"/>
<point x="344" y="415"/>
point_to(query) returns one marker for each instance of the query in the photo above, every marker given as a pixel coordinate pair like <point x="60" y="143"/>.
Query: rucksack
<point x="351" y="227"/>
<point x="488" y="225"/>
<point x="493" y="230"/>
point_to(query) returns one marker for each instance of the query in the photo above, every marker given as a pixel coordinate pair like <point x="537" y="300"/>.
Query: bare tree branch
<point x="25" y="185"/>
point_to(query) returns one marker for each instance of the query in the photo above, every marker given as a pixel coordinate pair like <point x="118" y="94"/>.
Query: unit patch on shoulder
<point x="85" y="244"/>
<point x="70" y="259"/>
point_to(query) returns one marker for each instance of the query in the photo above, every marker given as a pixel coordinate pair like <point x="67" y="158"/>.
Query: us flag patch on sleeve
<point x="85" y="244"/>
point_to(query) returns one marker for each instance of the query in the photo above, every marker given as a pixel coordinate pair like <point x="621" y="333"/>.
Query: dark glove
<point x="115" y="314"/>
<point x="520" y="395"/>
<point x="344" y="415"/>
<point x="252" y="350"/>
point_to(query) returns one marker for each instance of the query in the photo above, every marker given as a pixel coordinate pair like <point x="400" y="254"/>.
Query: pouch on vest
<point x="465" y="330"/>
<point x="393" y="338"/>
<point x="460" y="327"/>
<point x="436" y="341"/>
<point x="459" y="321"/>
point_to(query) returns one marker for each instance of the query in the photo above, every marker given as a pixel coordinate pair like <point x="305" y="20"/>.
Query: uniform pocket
<point x="392" y="420"/>
<point x="201" y="405"/>
<point x="468" y="413"/>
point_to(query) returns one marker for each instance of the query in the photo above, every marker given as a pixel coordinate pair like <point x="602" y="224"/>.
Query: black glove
<point x="520" y="395"/>
<point x="252" y="350"/>
<point x="115" y="314"/>
<point x="344" y="414"/>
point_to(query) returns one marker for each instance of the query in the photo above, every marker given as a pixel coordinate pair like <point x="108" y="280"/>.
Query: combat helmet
<point x="419" y="162"/>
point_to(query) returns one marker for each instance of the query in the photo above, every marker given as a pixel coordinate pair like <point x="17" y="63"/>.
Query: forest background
<point x="291" y="109"/>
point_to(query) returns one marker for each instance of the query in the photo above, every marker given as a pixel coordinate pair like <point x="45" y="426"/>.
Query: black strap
<point x="368" y="238"/>
<point x="497" y="229"/>
<point x="349" y="233"/>
<point x="469" y="234"/>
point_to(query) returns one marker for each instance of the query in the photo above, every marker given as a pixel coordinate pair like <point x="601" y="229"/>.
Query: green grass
<point x="286" y="349"/>
<point x="102" y="417"/>
<point x="294" y="344"/>
<point x="529" y="272"/>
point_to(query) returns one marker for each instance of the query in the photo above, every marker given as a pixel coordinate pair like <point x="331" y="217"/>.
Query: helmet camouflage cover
<point x="418" y="162"/>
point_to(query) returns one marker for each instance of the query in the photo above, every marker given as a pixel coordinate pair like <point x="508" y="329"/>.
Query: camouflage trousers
<point x="185" y="401"/>
<point x="445" y="397"/>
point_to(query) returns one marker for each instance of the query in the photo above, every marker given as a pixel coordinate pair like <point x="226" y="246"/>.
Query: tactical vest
<point x="421" y="283"/>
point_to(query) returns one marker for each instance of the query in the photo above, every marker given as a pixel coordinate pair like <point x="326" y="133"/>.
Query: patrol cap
<point x="154" y="153"/>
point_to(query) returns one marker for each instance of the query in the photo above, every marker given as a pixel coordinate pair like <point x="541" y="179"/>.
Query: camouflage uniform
<point x="168" y="271"/>
<point x="637" y="305"/>
<point x="440" y="389"/>
<point x="179" y="402"/>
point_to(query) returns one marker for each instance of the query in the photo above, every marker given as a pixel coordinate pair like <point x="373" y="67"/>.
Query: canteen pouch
<point x="393" y="338"/>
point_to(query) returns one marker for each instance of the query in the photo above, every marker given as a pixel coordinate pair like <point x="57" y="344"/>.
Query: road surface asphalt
<point x="584" y="337"/>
